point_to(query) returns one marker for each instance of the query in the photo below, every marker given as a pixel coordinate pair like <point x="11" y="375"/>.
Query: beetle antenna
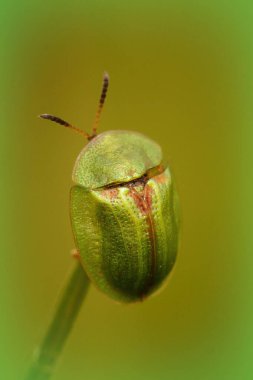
<point x="97" y="117"/>
<point x="101" y="103"/>
<point x="64" y="123"/>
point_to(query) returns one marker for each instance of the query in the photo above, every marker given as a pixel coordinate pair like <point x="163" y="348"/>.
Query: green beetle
<point x="124" y="211"/>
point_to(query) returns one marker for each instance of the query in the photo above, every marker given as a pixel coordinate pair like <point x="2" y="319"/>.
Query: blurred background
<point x="181" y="73"/>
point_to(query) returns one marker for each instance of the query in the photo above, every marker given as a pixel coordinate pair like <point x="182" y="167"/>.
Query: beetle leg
<point x="75" y="254"/>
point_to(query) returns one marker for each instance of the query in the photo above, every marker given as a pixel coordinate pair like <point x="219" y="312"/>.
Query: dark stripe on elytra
<point x="148" y="200"/>
<point x="144" y="203"/>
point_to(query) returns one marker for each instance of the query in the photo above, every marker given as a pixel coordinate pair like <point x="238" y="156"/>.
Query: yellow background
<point x="180" y="73"/>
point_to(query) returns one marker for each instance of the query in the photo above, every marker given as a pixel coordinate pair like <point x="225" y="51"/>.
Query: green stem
<point x="64" y="317"/>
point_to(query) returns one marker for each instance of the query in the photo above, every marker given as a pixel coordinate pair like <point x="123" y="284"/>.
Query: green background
<point x="181" y="73"/>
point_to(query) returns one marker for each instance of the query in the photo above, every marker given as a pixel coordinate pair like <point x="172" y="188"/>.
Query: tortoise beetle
<point x="124" y="211"/>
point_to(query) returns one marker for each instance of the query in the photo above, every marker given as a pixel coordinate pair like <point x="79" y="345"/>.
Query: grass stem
<point x="65" y="314"/>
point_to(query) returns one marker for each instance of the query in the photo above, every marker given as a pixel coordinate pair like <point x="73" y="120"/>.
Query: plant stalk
<point x="70" y="301"/>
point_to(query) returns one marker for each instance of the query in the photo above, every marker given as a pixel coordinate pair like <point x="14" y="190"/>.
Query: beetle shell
<point x="115" y="157"/>
<point x="124" y="214"/>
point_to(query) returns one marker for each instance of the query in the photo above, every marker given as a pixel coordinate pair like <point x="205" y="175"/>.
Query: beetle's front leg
<point x="75" y="254"/>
